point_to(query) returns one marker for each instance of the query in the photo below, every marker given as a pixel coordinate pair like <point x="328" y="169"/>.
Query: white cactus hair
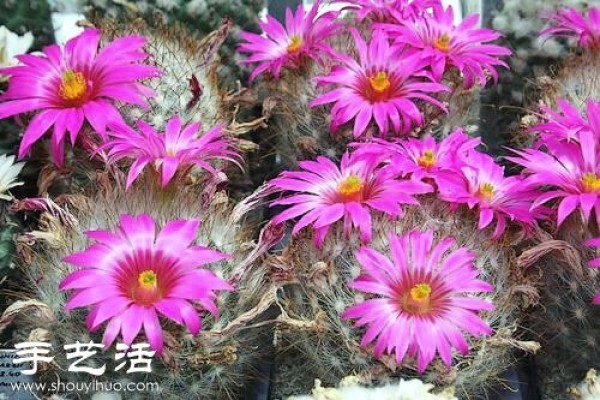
<point x="315" y="292"/>
<point x="180" y="55"/>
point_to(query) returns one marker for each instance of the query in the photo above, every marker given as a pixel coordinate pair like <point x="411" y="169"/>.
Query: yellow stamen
<point x="73" y="86"/>
<point x="148" y="279"/>
<point x="418" y="299"/>
<point x="295" y="44"/>
<point x="427" y="160"/>
<point x="591" y="182"/>
<point x="443" y="43"/>
<point x="486" y="191"/>
<point x="350" y="186"/>
<point x="380" y="82"/>
<point x="420" y="293"/>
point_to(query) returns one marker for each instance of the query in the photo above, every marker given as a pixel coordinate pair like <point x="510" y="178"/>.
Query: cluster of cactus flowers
<point x="401" y="253"/>
<point x="393" y="64"/>
<point x="131" y="274"/>
<point x="401" y="64"/>
<point x="144" y="245"/>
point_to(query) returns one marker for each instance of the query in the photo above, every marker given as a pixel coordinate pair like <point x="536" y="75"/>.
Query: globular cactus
<point x="30" y="16"/>
<point x="200" y="17"/>
<point x="559" y="140"/>
<point x="177" y="153"/>
<point x="316" y="290"/>
<point x="216" y="363"/>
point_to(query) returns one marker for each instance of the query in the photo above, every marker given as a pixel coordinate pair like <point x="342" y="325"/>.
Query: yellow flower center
<point x="147" y="279"/>
<point x="418" y="299"/>
<point x="427" y="160"/>
<point x="591" y="182"/>
<point x="380" y="82"/>
<point x="420" y="293"/>
<point x="73" y="86"/>
<point x="350" y="187"/>
<point x="486" y="191"/>
<point x="443" y="43"/>
<point x="295" y="44"/>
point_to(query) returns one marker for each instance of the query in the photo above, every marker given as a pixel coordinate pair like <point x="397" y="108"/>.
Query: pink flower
<point x="383" y="86"/>
<point x="436" y="38"/>
<point x="481" y="182"/>
<point x="595" y="242"/>
<point x="425" y="158"/>
<point x="565" y="124"/>
<point x="132" y="275"/>
<point x="393" y="11"/>
<point x="175" y="149"/>
<point x="570" y="23"/>
<point x="303" y="37"/>
<point x="324" y="193"/>
<point x="73" y="84"/>
<point x="572" y="171"/>
<point x="420" y="306"/>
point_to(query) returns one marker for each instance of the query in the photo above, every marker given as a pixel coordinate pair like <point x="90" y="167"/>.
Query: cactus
<point x="91" y="193"/>
<point x="315" y="292"/>
<point x="566" y="324"/>
<point x="28" y="16"/>
<point x="199" y="17"/>
<point x="220" y="357"/>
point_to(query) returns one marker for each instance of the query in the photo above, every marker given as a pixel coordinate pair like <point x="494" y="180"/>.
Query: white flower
<point x="106" y="396"/>
<point x="589" y="389"/>
<point x="65" y="26"/>
<point x="8" y="175"/>
<point x="350" y="390"/>
<point x="167" y="4"/>
<point x="196" y="7"/>
<point x="12" y="45"/>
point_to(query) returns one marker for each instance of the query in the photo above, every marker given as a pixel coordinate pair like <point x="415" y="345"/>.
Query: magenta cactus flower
<point x="566" y="123"/>
<point x="420" y="305"/>
<point x="303" y="37"/>
<point x="481" y="182"/>
<point x="569" y="22"/>
<point x="179" y="147"/>
<point x="382" y="86"/>
<point x="571" y="170"/>
<point x="132" y="275"/>
<point x="392" y="11"/>
<point x="444" y="45"/>
<point x="425" y="158"/>
<point x="77" y="83"/>
<point x="323" y="193"/>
